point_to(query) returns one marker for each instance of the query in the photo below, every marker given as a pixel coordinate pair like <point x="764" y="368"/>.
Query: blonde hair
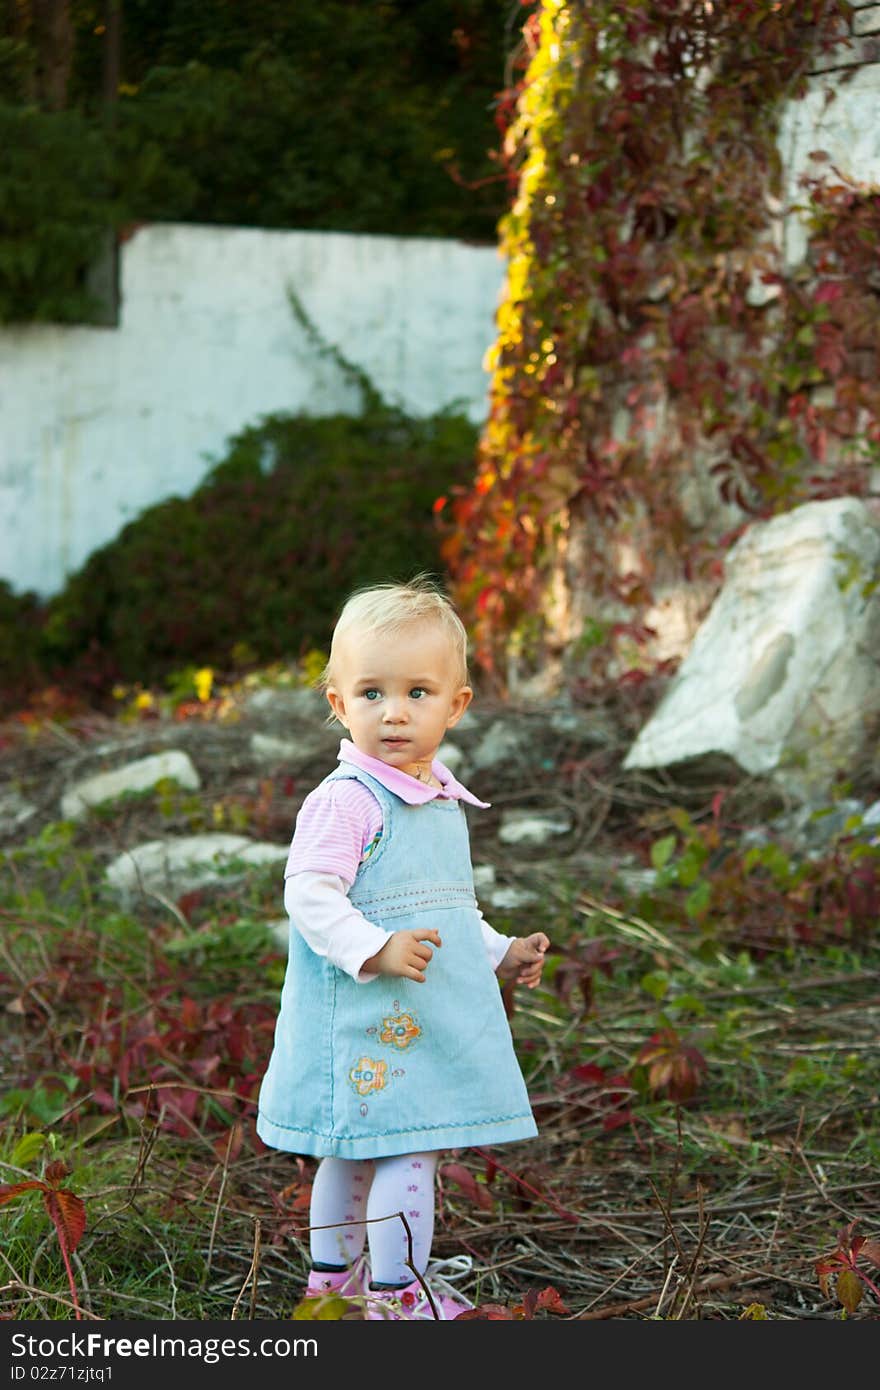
<point x="390" y="608"/>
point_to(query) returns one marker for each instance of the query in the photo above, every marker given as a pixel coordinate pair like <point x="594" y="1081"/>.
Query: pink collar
<point x="414" y="793"/>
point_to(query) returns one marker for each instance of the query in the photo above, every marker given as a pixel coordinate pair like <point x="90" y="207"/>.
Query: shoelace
<point x="454" y="1268"/>
<point x="442" y="1274"/>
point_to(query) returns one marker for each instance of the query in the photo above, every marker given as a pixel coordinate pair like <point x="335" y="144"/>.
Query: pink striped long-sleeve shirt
<point x="338" y="825"/>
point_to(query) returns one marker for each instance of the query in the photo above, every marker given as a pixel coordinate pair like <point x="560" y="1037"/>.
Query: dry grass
<point x="714" y="1207"/>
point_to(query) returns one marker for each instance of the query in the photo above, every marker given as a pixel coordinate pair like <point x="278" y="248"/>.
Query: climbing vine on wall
<point x="649" y="319"/>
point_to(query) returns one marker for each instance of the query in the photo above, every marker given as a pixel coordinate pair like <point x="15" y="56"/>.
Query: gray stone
<point x="499" y="743"/>
<point x="15" y="810"/>
<point x="532" y="827"/>
<point x="279" y="930"/>
<point x="266" y="748"/>
<point x="452" y="757"/>
<point x="288" y="702"/>
<point x="782" y="676"/>
<point x="138" y="776"/>
<point x="813" y="830"/>
<point x="510" y="897"/>
<point x="872" y="814"/>
<point x="484" y="877"/>
<point x="177" y="865"/>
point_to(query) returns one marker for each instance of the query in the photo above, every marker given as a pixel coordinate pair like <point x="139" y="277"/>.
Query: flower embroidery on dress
<point x="400" y="1030"/>
<point x="367" y="1075"/>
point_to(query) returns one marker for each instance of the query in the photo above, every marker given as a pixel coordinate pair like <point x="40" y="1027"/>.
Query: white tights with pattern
<point x="363" y="1191"/>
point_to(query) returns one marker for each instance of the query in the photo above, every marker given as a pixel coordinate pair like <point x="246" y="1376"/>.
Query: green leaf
<point x="655" y="983"/>
<point x="698" y="901"/>
<point x="27" y="1148"/>
<point x="687" y="1004"/>
<point x="691" y="865"/>
<point x="661" y="851"/>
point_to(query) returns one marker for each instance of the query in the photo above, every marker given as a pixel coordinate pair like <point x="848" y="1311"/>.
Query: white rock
<point x="452" y="757"/>
<point x="484" y="877"/>
<point x="511" y="897"/>
<point x="279" y="930"/>
<point x="499" y="743"/>
<point x="14" y="810"/>
<point x="532" y="827"/>
<point x="132" y="777"/>
<point x="267" y="748"/>
<point x="191" y="861"/>
<point x="782" y="675"/>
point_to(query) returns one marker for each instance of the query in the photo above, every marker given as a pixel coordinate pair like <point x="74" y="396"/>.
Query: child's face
<point x="397" y="693"/>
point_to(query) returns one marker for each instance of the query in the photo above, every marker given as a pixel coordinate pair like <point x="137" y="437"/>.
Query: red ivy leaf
<point x="68" y="1213"/>
<point x="871" y="1251"/>
<point x="8" y="1190"/>
<point x="672" y="1066"/>
<point x="827" y="292"/>
<point x="464" y="1179"/>
<point x="486" y="1312"/>
<point x="551" y="1299"/>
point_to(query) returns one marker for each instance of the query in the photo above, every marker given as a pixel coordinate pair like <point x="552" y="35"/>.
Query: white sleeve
<point x="319" y="907"/>
<point x="495" y="942"/>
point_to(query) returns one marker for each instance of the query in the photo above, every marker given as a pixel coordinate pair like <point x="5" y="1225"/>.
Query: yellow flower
<point x="144" y="700"/>
<point x="203" y="680"/>
<point x="400" y="1030"/>
<point x="367" y="1075"/>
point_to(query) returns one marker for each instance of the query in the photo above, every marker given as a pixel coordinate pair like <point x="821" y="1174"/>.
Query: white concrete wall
<point x="847" y="129"/>
<point x="96" y="424"/>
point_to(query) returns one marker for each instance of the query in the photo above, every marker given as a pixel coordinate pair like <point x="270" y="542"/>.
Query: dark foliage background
<point x="349" y="115"/>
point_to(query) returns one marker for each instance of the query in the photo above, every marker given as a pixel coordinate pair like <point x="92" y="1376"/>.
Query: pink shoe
<point x="348" y="1283"/>
<point x="412" y="1303"/>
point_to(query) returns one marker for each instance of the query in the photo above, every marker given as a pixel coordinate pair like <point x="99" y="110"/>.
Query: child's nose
<point x="395" y="710"/>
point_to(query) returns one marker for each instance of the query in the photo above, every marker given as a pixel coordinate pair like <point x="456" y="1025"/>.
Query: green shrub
<point x="301" y="511"/>
<point x="55" y="207"/>
<point x="21" y="622"/>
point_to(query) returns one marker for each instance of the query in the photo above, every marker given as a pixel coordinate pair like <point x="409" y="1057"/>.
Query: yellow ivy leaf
<point x="325" y="1308"/>
<point x="849" y="1289"/>
<point x="755" y="1312"/>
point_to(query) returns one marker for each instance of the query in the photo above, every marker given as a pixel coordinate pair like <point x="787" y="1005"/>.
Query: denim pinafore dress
<point x="395" y="1066"/>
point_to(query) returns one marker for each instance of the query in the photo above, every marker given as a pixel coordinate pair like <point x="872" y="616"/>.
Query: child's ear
<point x="337" y="704"/>
<point x="460" y="701"/>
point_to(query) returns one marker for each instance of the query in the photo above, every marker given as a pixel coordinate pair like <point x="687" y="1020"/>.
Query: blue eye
<point x="371" y="694"/>
<point x="417" y="692"/>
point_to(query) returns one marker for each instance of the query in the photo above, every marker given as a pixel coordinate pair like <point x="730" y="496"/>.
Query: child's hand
<point x="405" y="954"/>
<point x="523" y="960"/>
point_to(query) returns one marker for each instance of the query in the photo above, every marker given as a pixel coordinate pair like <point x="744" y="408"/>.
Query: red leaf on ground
<point x="68" y="1213"/>
<point x="8" y="1190"/>
<point x="551" y="1299"/>
<point x="464" y="1179"/>
<point x="871" y="1251"/>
